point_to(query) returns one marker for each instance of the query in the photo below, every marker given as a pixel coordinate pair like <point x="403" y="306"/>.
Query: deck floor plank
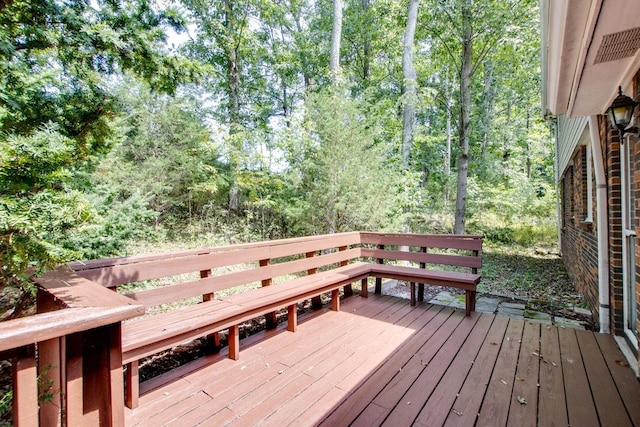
<point x="498" y="397"/>
<point x="421" y="390"/>
<point x="552" y="409"/>
<point x="359" y="398"/>
<point x="580" y="407"/>
<point x="527" y="377"/>
<point x="626" y="382"/>
<point x="361" y="366"/>
<point x="439" y="405"/>
<point x="611" y="410"/>
<point x="467" y="405"/>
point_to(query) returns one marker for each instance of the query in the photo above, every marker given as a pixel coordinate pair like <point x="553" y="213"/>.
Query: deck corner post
<point x="234" y="342"/>
<point x="292" y="318"/>
<point x="271" y="319"/>
<point x="335" y="300"/>
<point x="364" y="287"/>
<point x="379" y="279"/>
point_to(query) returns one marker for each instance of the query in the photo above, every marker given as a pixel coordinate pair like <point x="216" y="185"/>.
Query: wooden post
<point x="364" y="288"/>
<point x="348" y="290"/>
<point x="25" y="388"/>
<point x="292" y="317"/>
<point x="316" y="302"/>
<point x="212" y="340"/>
<point x="234" y="342"/>
<point x="378" y="279"/>
<point x="73" y="401"/>
<point x="203" y="275"/>
<point x="421" y="285"/>
<point x="50" y="367"/>
<point x="132" y="390"/>
<point x="335" y="300"/>
<point x="271" y="319"/>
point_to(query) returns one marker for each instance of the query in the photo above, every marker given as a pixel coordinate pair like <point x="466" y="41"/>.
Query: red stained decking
<point x="380" y="361"/>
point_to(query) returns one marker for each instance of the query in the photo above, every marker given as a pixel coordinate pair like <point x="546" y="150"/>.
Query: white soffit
<point x="610" y="57"/>
<point x="566" y="24"/>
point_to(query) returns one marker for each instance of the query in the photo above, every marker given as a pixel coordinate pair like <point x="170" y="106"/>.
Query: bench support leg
<point x="271" y="320"/>
<point x="292" y="318"/>
<point x="420" y="292"/>
<point x="234" y="342"/>
<point x="213" y="342"/>
<point x="335" y="300"/>
<point x="316" y="302"/>
<point x="348" y="290"/>
<point x="132" y="391"/>
<point x="412" y="287"/>
<point x="364" y="288"/>
<point x="470" y="302"/>
<point x="378" y="285"/>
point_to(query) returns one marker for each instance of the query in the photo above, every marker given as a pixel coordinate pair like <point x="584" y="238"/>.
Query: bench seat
<point x="455" y="279"/>
<point x="149" y="335"/>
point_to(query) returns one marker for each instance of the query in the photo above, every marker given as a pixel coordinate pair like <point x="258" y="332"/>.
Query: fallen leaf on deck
<point x="457" y="413"/>
<point x="503" y="381"/>
<point x="522" y="400"/>
<point x="519" y="379"/>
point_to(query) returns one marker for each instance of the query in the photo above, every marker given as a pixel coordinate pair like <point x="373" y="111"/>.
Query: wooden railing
<point x="66" y="360"/>
<point x="73" y="346"/>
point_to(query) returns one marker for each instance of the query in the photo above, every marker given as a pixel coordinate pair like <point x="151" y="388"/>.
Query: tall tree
<point x="466" y="73"/>
<point x="410" y="83"/>
<point x="56" y="109"/>
<point x="336" y="38"/>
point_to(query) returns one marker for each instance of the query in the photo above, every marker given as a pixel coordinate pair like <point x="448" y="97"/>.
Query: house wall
<point x="579" y="237"/>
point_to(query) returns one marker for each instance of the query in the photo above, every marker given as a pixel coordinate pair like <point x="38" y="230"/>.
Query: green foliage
<point x="37" y="202"/>
<point x="348" y="181"/>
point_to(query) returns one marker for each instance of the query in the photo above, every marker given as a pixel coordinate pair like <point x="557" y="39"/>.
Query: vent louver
<point x="618" y="46"/>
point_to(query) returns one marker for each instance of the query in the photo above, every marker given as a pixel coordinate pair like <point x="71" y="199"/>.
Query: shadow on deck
<point x="380" y="361"/>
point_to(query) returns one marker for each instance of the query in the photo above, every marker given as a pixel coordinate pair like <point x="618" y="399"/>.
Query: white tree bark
<point x="336" y="35"/>
<point x="410" y="84"/>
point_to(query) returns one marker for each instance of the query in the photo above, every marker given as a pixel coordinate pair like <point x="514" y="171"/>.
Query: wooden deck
<point x="380" y="361"/>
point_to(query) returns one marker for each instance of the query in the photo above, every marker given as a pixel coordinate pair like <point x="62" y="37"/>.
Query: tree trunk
<point x="233" y="92"/>
<point x="465" y="117"/>
<point x="487" y="106"/>
<point x="410" y="84"/>
<point x="447" y="152"/>
<point x="336" y="35"/>
<point x="366" y="54"/>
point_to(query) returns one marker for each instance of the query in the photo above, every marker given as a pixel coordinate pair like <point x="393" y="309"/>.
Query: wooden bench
<point x="461" y="251"/>
<point x="306" y="267"/>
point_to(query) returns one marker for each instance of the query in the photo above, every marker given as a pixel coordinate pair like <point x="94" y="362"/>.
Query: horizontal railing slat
<point x="169" y="293"/>
<point x="444" y="241"/>
<point x="428" y="258"/>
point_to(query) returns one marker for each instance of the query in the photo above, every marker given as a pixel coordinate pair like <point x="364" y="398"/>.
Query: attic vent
<point x="618" y="46"/>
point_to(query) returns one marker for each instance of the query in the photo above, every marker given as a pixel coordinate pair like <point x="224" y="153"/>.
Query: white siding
<point x="569" y="133"/>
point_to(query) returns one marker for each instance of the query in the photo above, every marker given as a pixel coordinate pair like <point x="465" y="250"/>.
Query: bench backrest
<point x="254" y="262"/>
<point x="451" y="249"/>
<point x="224" y="267"/>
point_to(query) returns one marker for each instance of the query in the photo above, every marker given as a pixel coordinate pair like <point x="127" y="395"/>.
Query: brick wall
<point x="579" y="238"/>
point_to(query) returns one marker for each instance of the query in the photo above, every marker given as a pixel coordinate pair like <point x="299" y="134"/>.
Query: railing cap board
<point x="44" y="326"/>
<point x="76" y="291"/>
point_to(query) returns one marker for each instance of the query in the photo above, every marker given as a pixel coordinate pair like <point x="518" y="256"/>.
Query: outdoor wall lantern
<point x="621" y="113"/>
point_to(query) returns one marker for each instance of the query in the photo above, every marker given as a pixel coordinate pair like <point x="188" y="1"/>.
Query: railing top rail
<point x="43" y="326"/>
